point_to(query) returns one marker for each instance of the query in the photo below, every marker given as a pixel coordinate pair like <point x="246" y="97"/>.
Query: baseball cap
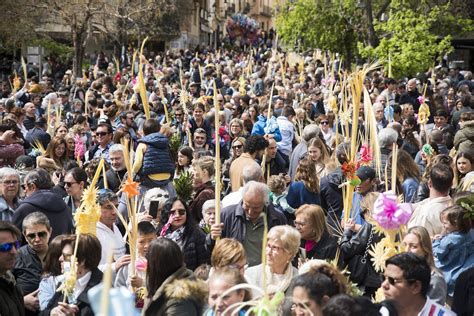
<point x="365" y="172"/>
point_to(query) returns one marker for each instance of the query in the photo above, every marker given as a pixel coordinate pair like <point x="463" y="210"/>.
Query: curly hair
<point x="306" y="172"/>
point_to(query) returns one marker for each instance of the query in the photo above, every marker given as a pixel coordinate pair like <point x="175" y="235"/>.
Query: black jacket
<point x="38" y="133"/>
<point x="352" y="245"/>
<point x="82" y="303"/>
<point x="194" y="250"/>
<point x="28" y="270"/>
<point x="51" y="205"/>
<point x="11" y="298"/>
<point x="331" y="196"/>
<point x="180" y="294"/>
<point x="325" y="248"/>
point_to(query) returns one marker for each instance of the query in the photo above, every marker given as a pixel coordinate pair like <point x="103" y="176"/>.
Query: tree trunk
<point x="77" y="40"/>
<point x="372" y="36"/>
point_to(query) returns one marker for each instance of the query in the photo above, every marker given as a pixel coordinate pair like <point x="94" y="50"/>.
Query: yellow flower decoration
<point x="379" y="256"/>
<point x="67" y="287"/>
<point x="88" y="214"/>
<point x="379" y="296"/>
<point x="130" y="187"/>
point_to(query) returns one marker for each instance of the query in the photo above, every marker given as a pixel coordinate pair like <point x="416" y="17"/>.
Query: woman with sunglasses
<point x="237" y="147"/>
<point x="282" y="246"/>
<point x="180" y="227"/>
<point x="75" y="181"/>
<point x="326" y="129"/>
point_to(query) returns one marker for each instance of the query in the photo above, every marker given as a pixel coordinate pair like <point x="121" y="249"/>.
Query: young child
<point x="454" y="249"/>
<point x="146" y="234"/>
<point x="277" y="186"/>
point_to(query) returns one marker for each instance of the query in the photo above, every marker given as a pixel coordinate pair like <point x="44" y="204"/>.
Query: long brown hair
<point x="319" y="143"/>
<point x="306" y="172"/>
<point x="406" y="167"/>
<point x="51" y="150"/>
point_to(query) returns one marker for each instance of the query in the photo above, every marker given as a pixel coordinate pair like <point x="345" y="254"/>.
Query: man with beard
<point x="127" y="122"/>
<point x="254" y="148"/>
<point x="199" y="139"/>
<point x="411" y="95"/>
<point x="116" y="173"/>
<point x="11" y="298"/>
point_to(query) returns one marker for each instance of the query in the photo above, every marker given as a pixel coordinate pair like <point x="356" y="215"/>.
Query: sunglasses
<point x="68" y="184"/>
<point x="101" y="133"/>
<point x="237" y="147"/>
<point x="393" y="281"/>
<point x="6" y="247"/>
<point x="41" y="235"/>
<point x="324" y="122"/>
<point x="178" y="212"/>
<point x="178" y="114"/>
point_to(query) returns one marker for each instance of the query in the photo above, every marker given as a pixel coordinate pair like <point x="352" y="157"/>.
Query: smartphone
<point x="153" y="210"/>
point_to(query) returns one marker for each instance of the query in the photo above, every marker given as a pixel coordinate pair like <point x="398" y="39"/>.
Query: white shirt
<point x="232" y="198"/>
<point x="110" y="241"/>
<point x="434" y="309"/>
<point x="287" y="131"/>
<point x="81" y="285"/>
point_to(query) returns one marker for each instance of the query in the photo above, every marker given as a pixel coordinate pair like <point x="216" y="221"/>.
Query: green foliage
<point x="52" y="47"/>
<point x="467" y="203"/>
<point x="317" y="23"/>
<point x="184" y="185"/>
<point x="174" y="144"/>
<point x="409" y="40"/>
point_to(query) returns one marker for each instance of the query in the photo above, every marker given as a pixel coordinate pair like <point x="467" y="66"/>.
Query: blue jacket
<point x="409" y="186"/>
<point x="261" y="127"/>
<point x="157" y="158"/>
<point x="454" y="253"/>
<point x="298" y="195"/>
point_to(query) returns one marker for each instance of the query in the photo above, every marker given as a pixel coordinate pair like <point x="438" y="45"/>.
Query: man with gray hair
<point x="386" y="137"/>
<point x="309" y="132"/>
<point x="40" y="198"/>
<point x="9" y="189"/>
<point x="244" y="221"/>
<point x="28" y="268"/>
<point x="251" y="172"/>
<point x="117" y="172"/>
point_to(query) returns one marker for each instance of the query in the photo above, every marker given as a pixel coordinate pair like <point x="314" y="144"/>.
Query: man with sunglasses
<point x="104" y="134"/>
<point x="29" y="262"/>
<point x="406" y="284"/>
<point x="11" y="298"/>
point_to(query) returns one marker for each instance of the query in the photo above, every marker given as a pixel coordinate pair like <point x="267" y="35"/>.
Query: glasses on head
<point x="324" y="122"/>
<point x="237" y="147"/>
<point x="41" y="235"/>
<point x="393" y="281"/>
<point x="178" y="212"/>
<point x="6" y="247"/>
<point x="101" y="134"/>
<point x="68" y="184"/>
<point x="10" y="182"/>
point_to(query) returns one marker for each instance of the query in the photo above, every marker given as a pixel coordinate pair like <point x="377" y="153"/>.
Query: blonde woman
<point x="229" y="253"/>
<point x="305" y="188"/>
<point x="318" y="154"/>
<point x="282" y="246"/>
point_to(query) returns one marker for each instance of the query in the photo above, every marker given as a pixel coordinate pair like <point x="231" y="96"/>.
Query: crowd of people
<point x="282" y="230"/>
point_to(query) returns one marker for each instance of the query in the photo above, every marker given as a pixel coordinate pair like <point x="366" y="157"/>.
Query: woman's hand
<point x="350" y="225"/>
<point x="64" y="309"/>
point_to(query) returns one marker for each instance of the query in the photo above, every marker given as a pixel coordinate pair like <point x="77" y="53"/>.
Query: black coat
<point x="28" y="270"/>
<point x="11" y="298"/>
<point x="352" y="245"/>
<point x="194" y="250"/>
<point x="331" y="196"/>
<point x="325" y="248"/>
<point x="82" y="303"/>
<point x="51" y="205"/>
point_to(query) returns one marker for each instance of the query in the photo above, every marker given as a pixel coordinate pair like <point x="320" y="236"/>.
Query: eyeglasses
<point x="10" y="182"/>
<point x="6" y="247"/>
<point x="178" y="212"/>
<point x="237" y="147"/>
<point x="68" y="184"/>
<point x="41" y="235"/>
<point x="393" y="281"/>
<point x="101" y="133"/>
<point x="275" y="249"/>
<point x="324" y="122"/>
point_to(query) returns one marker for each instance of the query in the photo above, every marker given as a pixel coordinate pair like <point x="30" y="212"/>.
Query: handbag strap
<point x="369" y="241"/>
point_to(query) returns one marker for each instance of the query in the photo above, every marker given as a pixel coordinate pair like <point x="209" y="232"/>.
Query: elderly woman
<point x="316" y="241"/>
<point x="229" y="253"/>
<point x="208" y="215"/>
<point x="282" y="246"/>
<point x="154" y="203"/>
<point x="9" y="190"/>
<point x="179" y="226"/>
<point x="203" y="172"/>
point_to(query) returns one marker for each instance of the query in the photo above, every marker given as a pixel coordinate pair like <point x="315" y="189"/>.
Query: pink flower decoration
<point x="140" y="264"/>
<point x="421" y="99"/>
<point x="390" y="214"/>
<point x="79" y="148"/>
<point x="365" y="154"/>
